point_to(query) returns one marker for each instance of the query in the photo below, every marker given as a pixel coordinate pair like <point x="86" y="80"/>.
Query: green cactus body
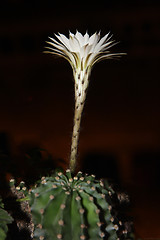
<point x="73" y="208"/>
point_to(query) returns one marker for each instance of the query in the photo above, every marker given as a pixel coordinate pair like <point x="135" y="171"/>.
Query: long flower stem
<point x="75" y="137"/>
<point x="81" y="85"/>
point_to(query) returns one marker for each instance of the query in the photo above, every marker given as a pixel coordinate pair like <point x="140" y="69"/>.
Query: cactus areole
<point x="82" y="52"/>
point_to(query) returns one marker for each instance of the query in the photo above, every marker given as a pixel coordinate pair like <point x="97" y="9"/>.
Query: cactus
<point x="76" y="206"/>
<point x="79" y="207"/>
<point x="5" y="219"/>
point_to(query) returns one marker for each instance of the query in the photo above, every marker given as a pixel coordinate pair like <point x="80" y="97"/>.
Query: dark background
<point x="120" y="134"/>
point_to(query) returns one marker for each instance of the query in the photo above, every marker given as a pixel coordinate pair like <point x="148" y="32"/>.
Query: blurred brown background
<point x="120" y="134"/>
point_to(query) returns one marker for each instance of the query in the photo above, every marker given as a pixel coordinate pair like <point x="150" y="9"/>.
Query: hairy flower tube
<point x="82" y="52"/>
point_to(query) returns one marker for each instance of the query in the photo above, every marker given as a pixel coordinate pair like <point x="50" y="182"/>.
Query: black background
<point x="120" y="134"/>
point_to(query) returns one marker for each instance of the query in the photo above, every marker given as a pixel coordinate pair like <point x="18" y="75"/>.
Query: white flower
<point x="82" y="52"/>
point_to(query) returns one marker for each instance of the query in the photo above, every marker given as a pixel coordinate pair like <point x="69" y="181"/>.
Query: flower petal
<point x="86" y="38"/>
<point x="92" y="39"/>
<point x="63" y="39"/>
<point x="71" y="34"/>
<point x="74" y="44"/>
<point x="58" y="46"/>
<point x="101" y="42"/>
<point x="105" y="56"/>
<point x="109" y="45"/>
<point x="80" y="38"/>
<point x="92" y="49"/>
